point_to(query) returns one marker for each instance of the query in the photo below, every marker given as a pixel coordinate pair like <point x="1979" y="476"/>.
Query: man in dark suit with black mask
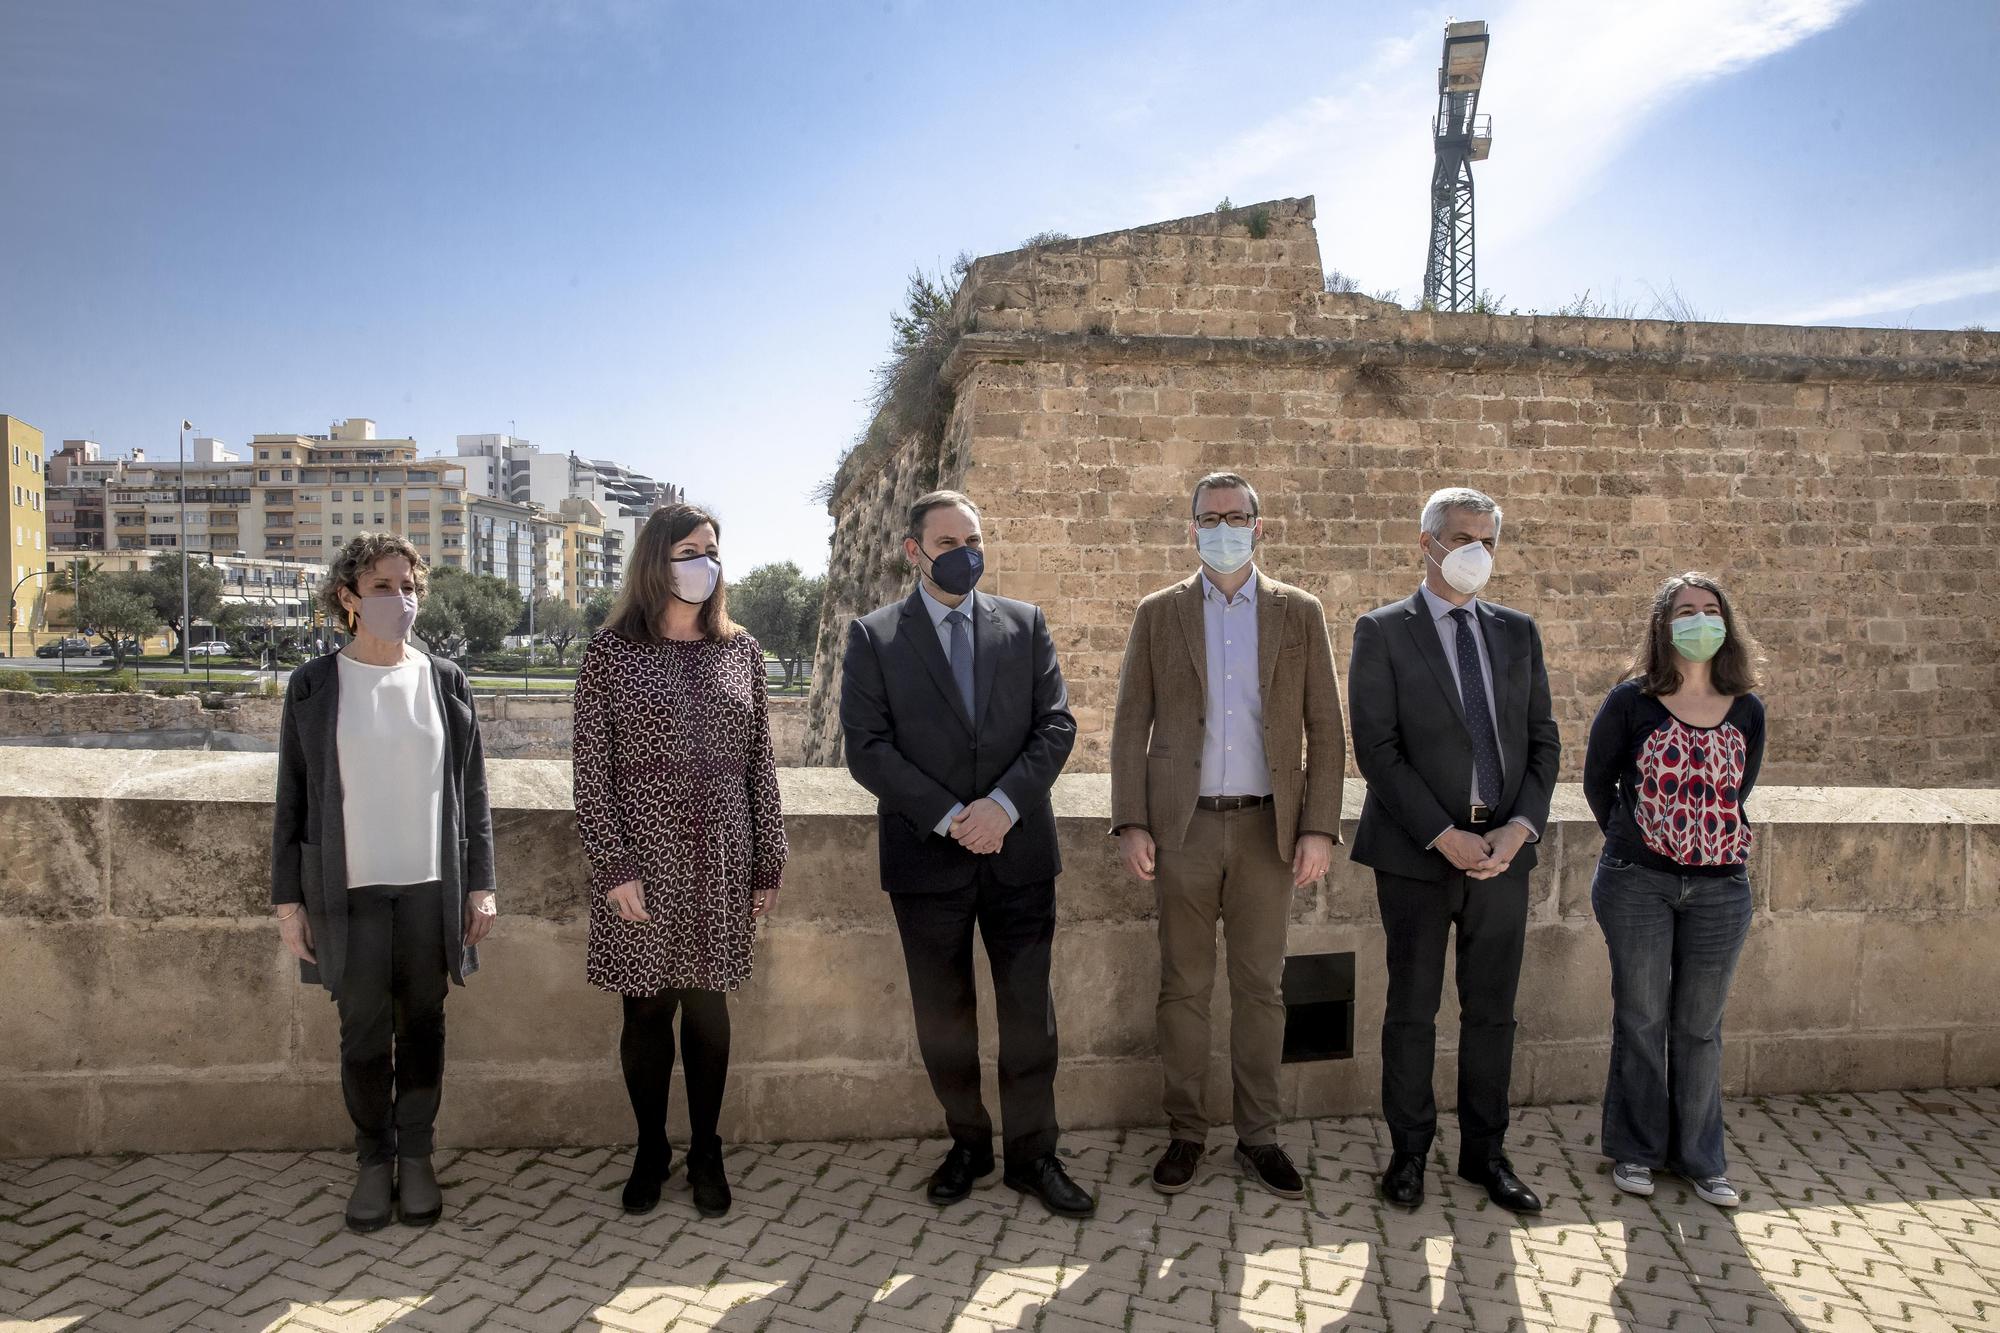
<point x="957" y="719"/>
<point x="1451" y="725"/>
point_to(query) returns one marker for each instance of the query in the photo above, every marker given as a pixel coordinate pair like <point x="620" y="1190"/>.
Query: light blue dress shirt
<point x="1447" y="632"/>
<point x="938" y="611"/>
<point x="1232" y="742"/>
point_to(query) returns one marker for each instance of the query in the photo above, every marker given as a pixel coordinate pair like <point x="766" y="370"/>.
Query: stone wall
<point x="145" y="1004"/>
<point x="1842" y="482"/>
<point x="512" y="726"/>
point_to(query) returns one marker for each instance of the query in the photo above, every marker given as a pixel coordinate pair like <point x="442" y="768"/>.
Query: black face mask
<point x="957" y="571"/>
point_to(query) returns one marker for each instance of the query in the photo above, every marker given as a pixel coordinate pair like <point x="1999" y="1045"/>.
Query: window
<point x="264" y="474"/>
<point x="378" y="520"/>
<point x="285" y="475"/>
<point x="357" y="520"/>
<point x="263" y="455"/>
<point x="380" y="497"/>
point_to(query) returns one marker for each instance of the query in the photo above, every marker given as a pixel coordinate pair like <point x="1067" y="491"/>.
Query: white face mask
<point x="695" y="576"/>
<point x="1467" y="568"/>
<point x="1225" y="549"/>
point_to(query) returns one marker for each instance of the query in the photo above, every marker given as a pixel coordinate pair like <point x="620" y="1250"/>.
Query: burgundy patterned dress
<point x="675" y="787"/>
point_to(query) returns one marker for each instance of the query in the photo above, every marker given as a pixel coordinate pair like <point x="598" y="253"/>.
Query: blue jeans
<point x="1674" y="942"/>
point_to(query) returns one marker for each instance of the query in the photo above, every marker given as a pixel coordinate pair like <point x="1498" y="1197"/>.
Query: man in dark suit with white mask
<point x="1451" y="725"/>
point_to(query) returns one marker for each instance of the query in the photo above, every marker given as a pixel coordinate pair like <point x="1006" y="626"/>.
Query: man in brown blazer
<point x="1227" y="756"/>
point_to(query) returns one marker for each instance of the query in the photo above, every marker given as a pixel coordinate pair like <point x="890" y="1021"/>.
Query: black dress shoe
<point x="418" y="1197"/>
<point x="1046" y="1180"/>
<point x="1268" y="1165"/>
<point x="373" y="1203"/>
<point x="1504" y="1187"/>
<point x="1174" y="1171"/>
<point x="705" y="1179"/>
<point x="962" y="1168"/>
<point x="651" y="1164"/>
<point x="1403" y="1182"/>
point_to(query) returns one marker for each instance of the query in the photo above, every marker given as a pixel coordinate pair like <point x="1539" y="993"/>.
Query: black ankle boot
<point x="418" y="1198"/>
<point x="652" y="1163"/>
<point x="373" y="1202"/>
<point x="706" y="1181"/>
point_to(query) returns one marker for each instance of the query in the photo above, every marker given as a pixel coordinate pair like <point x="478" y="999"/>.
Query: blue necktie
<point x="1478" y="717"/>
<point x="961" y="657"/>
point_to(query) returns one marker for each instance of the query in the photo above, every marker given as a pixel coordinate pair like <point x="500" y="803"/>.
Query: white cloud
<point x="1900" y="297"/>
<point x="1567" y="83"/>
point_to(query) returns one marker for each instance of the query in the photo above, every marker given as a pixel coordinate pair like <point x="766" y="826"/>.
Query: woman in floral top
<point x="1673" y="755"/>
<point x="677" y="806"/>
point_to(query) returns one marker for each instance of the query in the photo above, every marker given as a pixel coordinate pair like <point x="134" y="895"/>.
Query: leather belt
<point x="1232" y="802"/>
<point x="1482" y="814"/>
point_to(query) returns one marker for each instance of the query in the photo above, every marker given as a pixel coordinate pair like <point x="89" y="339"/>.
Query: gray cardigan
<point x="309" y="838"/>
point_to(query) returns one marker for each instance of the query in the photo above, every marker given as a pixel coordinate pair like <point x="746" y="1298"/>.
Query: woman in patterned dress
<point x="677" y="805"/>
<point x="1673" y="755"/>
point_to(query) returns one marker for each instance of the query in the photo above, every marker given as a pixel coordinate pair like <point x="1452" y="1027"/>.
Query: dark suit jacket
<point x="1408" y="727"/>
<point x="309" y="834"/>
<point x="910" y="742"/>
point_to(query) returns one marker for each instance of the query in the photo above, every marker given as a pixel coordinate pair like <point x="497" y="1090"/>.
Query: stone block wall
<point x="1843" y="483"/>
<point x="145" y="1004"/>
<point x="511" y="726"/>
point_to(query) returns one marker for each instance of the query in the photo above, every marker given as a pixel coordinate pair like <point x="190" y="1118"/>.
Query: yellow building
<point x="294" y="498"/>
<point x="592" y="557"/>
<point x="23" y="479"/>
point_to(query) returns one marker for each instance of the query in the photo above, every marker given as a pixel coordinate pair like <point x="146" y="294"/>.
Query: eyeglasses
<point x="1237" y="519"/>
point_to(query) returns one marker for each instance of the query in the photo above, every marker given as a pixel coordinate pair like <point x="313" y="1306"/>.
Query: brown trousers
<point x="1227" y="870"/>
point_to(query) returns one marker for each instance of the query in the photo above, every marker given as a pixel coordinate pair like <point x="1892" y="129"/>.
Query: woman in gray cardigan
<point x="382" y="862"/>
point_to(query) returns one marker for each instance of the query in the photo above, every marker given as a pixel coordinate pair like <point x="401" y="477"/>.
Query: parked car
<point x="110" y="650"/>
<point x="67" y="647"/>
<point x="210" y="648"/>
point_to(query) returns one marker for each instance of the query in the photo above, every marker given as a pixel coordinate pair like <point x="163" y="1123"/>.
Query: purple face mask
<point x="389" y="616"/>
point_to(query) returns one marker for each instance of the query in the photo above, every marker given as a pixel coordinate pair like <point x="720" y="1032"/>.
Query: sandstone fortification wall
<point x="146" y="1005"/>
<point x="511" y="726"/>
<point x="1842" y="482"/>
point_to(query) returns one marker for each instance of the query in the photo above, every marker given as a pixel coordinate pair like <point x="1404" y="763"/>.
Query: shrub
<point x="122" y="682"/>
<point x="171" y="689"/>
<point x="13" y="678"/>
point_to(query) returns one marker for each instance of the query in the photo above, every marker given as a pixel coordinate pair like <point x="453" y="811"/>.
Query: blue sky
<point x="672" y="234"/>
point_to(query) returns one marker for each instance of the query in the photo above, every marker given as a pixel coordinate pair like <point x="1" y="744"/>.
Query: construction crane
<point x="1462" y="136"/>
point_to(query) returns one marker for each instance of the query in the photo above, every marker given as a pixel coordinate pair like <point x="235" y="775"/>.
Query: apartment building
<point x="23" y="481"/>
<point x="77" y="474"/>
<point x="593" y="553"/>
<point x="517" y="543"/>
<point x="294" y="497"/>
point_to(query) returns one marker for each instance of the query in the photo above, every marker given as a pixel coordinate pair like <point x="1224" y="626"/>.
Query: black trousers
<point x="646" y="1054"/>
<point x="1017" y="924"/>
<point x="391" y="1002"/>
<point x="1417" y="919"/>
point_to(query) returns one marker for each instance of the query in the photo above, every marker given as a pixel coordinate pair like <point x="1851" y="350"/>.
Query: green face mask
<point x="1698" y="638"/>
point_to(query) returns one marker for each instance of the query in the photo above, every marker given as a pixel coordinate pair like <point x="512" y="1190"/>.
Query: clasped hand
<point x="981" y="827"/>
<point x="1483" y="857"/>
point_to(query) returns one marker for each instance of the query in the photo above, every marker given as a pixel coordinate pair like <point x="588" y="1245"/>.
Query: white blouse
<point x="391" y="742"/>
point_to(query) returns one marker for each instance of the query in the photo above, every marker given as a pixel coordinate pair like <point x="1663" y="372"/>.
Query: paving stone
<point x="1873" y="1211"/>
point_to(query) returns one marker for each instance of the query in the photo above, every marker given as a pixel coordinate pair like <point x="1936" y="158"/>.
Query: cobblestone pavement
<point x="1870" y="1211"/>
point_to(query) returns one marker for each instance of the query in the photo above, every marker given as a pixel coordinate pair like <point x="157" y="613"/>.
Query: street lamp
<point x="187" y="663"/>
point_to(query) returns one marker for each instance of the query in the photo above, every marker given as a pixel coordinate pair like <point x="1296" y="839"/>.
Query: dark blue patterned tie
<point x="1478" y="717"/>
<point x="961" y="656"/>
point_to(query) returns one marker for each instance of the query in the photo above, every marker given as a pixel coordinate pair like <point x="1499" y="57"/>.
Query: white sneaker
<point x="1633" y="1178"/>
<point x="1718" y="1191"/>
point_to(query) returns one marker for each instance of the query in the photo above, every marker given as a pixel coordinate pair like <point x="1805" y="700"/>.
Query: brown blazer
<point x="1156" y="734"/>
